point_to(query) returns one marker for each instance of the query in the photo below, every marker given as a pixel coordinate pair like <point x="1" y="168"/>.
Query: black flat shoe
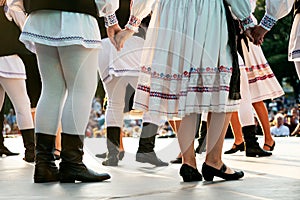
<point x="209" y="172"/>
<point x="57" y="156"/>
<point x="236" y="148"/>
<point x="176" y="161"/>
<point x="189" y="173"/>
<point x="271" y="147"/>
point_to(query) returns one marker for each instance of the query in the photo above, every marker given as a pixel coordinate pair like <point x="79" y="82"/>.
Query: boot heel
<point x="67" y="181"/>
<point x="45" y="180"/>
<point x="251" y="155"/>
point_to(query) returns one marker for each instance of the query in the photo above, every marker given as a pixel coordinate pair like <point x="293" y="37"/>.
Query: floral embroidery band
<point x="110" y="20"/>
<point x="133" y="23"/>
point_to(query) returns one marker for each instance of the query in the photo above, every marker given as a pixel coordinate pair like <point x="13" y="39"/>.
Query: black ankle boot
<point x="29" y="144"/>
<point x="145" y="153"/>
<point x="45" y="167"/>
<point x="4" y="151"/>
<point x="113" y="145"/>
<point x="236" y="148"/>
<point x="209" y="173"/>
<point x="71" y="166"/>
<point x="189" y="173"/>
<point x="251" y="145"/>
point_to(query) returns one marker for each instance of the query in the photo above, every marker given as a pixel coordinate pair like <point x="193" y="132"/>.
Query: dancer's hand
<point x="258" y="33"/>
<point x="112" y="31"/>
<point x="121" y="37"/>
<point x="248" y="32"/>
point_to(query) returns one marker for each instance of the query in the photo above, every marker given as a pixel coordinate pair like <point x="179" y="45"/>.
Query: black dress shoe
<point x="189" y="173"/>
<point x="103" y="155"/>
<point x="209" y="173"/>
<point x="57" y="156"/>
<point x="121" y="155"/>
<point x="235" y="148"/>
<point x="271" y="147"/>
<point x="150" y="158"/>
<point x="111" y="161"/>
<point x="4" y="151"/>
<point x="176" y="161"/>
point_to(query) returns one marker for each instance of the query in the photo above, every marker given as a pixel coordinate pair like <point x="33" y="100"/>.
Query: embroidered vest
<point x="79" y="6"/>
<point x="9" y="37"/>
<point x="296" y="7"/>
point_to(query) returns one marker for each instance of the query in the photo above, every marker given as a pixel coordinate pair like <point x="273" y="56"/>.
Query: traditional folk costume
<point x="12" y="75"/>
<point x="185" y="68"/>
<point x="276" y="9"/>
<point x="189" y="66"/>
<point x="117" y="71"/>
<point x="262" y="81"/>
<point x="67" y="40"/>
<point x="258" y="83"/>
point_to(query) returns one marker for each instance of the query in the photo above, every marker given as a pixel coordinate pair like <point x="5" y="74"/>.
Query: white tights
<point x="17" y="93"/>
<point x="218" y="124"/>
<point x="115" y="91"/>
<point x="69" y="82"/>
<point x="246" y="114"/>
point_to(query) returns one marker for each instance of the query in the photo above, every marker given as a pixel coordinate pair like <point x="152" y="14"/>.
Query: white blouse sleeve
<point x="253" y="5"/>
<point x="107" y="8"/>
<point x="275" y="9"/>
<point x="242" y="10"/>
<point x="139" y="10"/>
<point x="18" y="17"/>
<point x="16" y="5"/>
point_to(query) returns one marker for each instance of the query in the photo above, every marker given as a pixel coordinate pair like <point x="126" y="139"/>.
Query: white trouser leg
<point x="115" y="91"/>
<point x="17" y="93"/>
<point x="246" y="113"/>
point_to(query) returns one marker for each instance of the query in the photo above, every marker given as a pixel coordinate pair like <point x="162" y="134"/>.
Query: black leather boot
<point x="145" y="153"/>
<point x="45" y="167"/>
<point x="71" y="166"/>
<point x="252" y="147"/>
<point x="202" y="138"/>
<point x="3" y="149"/>
<point x="29" y="144"/>
<point x="113" y="145"/>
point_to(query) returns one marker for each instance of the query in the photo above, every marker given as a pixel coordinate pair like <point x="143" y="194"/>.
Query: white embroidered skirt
<point x="57" y="28"/>
<point x="263" y="84"/>
<point x="186" y="62"/>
